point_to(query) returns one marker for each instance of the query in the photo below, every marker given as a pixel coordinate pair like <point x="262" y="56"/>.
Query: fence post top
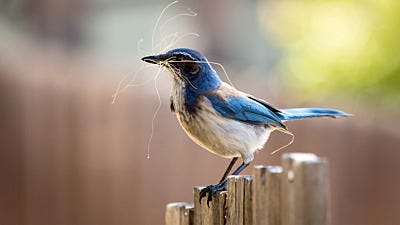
<point x="179" y="204"/>
<point x="302" y="157"/>
<point x="238" y="177"/>
<point x="271" y="169"/>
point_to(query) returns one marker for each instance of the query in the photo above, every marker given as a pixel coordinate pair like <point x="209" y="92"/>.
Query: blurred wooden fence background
<point x="70" y="157"/>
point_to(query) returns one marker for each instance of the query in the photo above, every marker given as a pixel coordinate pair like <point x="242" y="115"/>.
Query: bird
<point x="218" y="117"/>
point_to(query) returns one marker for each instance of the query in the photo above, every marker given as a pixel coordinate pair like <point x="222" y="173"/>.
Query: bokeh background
<point x="69" y="156"/>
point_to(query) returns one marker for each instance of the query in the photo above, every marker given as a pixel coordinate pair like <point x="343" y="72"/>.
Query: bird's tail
<point x="302" y="113"/>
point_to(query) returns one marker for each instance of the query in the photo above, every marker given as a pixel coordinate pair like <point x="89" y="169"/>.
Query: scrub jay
<point x="219" y="118"/>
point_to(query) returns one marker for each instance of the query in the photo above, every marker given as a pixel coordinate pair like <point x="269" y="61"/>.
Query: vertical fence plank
<point x="304" y="189"/>
<point x="179" y="214"/>
<point x="267" y="195"/>
<point x="239" y="200"/>
<point x="213" y="215"/>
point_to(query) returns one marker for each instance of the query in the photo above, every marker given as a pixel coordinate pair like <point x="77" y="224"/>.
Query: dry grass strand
<point x="288" y="144"/>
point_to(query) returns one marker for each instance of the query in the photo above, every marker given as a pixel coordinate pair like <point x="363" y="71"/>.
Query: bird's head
<point x="187" y="66"/>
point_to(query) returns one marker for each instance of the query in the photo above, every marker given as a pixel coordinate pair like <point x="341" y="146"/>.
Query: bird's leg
<point x="240" y="168"/>
<point x="228" y="169"/>
<point x="214" y="188"/>
<point x="221" y="186"/>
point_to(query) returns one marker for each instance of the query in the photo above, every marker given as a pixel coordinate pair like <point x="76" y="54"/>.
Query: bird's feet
<point x="212" y="190"/>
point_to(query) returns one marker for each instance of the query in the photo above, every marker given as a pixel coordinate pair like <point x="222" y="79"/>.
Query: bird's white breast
<point x="220" y="135"/>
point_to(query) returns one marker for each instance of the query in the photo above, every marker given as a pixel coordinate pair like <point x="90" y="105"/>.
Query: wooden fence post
<point x="267" y="195"/>
<point x="213" y="215"/>
<point x="239" y="200"/>
<point x="304" y="189"/>
<point x="179" y="213"/>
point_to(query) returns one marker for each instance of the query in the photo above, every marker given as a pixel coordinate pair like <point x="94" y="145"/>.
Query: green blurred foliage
<point x="338" y="48"/>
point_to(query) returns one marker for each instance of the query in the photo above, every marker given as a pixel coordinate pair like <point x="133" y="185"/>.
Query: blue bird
<point x="219" y="118"/>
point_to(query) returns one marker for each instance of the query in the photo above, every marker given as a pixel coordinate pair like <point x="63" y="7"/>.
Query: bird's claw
<point x="212" y="190"/>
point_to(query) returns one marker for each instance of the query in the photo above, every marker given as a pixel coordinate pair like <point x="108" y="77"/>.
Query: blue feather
<point x="301" y="113"/>
<point x="245" y="110"/>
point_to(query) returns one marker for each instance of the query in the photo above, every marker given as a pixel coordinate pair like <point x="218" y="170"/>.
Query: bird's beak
<point x="154" y="59"/>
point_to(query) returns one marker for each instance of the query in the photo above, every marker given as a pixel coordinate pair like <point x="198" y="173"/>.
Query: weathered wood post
<point x="267" y="195"/>
<point x="179" y="213"/>
<point x="213" y="215"/>
<point x="304" y="189"/>
<point x="239" y="206"/>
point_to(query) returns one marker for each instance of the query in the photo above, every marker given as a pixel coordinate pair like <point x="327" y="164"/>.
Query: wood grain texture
<point x="213" y="215"/>
<point x="304" y="189"/>
<point x="239" y="200"/>
<point x="267" y="195"/>
<point x="179" y="213"/>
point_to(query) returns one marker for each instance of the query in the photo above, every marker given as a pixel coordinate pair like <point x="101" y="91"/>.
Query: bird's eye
<point x="194" y="68"/>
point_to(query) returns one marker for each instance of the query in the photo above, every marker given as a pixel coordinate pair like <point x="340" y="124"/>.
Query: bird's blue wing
<point x="244" y="109"/>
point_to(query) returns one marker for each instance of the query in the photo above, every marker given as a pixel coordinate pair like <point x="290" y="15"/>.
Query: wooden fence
<point x="295" y="193"/>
